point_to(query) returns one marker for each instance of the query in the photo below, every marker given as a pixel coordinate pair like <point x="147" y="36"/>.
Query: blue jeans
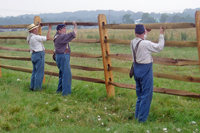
<point x="143" y="75"/>
<point x="37" y="59"/>
<point x="65" y="76"/>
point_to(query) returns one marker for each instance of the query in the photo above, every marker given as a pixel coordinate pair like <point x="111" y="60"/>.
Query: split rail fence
<point x="106" y="56"/>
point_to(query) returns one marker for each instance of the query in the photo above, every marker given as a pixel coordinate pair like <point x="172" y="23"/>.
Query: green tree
<point x="164" y="18"/>
<point x="147" y="19"/>
<point x="126" y="19"/>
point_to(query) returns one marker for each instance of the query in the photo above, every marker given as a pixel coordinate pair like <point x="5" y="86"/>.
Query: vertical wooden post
<point x="106" y="51"/>
<point x="37" y="20"/>
<point x="197" y="21"/>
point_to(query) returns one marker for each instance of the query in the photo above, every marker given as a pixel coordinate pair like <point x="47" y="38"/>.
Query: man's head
<point x="33" y="29"/>
<point x="61" y="28"/>
<point x="139" y="29"/>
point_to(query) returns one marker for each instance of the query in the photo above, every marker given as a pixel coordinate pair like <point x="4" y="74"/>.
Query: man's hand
<point x="50" y="26"/>
<point x="74" y="23"/>
<point x="147" y="30"/>
<point x="161" y="30"/>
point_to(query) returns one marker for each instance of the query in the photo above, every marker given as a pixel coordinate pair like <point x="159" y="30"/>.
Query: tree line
<point x="112" y="17"/>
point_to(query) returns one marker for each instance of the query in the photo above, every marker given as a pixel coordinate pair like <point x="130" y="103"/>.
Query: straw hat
<point x="31" y="27"/>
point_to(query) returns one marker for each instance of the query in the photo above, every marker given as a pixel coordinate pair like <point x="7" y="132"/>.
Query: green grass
<point x="88" y="109"/>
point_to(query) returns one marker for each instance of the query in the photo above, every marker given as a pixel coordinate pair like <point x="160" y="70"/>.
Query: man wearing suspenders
<point x="62" y="51"/>
<point x="37" y="51"/>
<point x="143" y="69"/>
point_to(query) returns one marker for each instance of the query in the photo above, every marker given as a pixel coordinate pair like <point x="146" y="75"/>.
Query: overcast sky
<point x="21" y="7"/>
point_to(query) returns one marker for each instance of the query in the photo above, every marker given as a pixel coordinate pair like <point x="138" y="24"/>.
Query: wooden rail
<point x="114" y="69"/>
<point x="151" y="26"/>
<point x="167" y="43"/>
<point x="160" y="75"/>
<point x="122" y="85"/>
<point x="70" y="23"/>
<point x="157" y="60"/>
<point x="160" y="90"/>
<point x="24" y="26"/>
<point x="53" y="74"/>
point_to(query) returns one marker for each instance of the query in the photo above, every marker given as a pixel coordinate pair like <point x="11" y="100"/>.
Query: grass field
<point x="87" y="109"/>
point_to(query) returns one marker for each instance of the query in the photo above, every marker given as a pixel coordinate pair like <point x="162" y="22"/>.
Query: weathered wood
<point x="14" y="49"/>
<point x="16" y="58"/>
<point x="167" y="43"/>
<point x="70" y="23"/>
<point x="53" y="74"/>
<point x="49" y="51"/>
<point x="151" y="26"/>
<point x="19" y="26"/>
<point x="160" y="75"/>
<point x="86" y="40"/>
<point x="158" y="60"/>
<point x="160" y="90"/>
<point x="77" y="67"/>
<point x="105" y="51"/>
<point x="74" y="40"/>
<point x="12" y="37"/>
<point x="197" y="21"/>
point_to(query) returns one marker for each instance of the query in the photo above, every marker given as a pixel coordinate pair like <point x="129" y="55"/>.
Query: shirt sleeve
<point x="40" y="38"/>
<point x="156" y="47"/>
<point x="65" y="38"/>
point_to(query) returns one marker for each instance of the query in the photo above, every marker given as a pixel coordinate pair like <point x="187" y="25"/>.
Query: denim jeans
<point x="37" y="59"/>
<point x="65" y="76"/>
<point x="143" y="75"/>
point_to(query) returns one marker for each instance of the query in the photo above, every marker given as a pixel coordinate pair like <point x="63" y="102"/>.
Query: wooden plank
<point x="160" y="90"/>
<point x="49" y="51"/>
<point x="167" y="43"/>
<point x="19" y="26"/>
<point x="151" y="26"/>
<point x="53" y="74"/>
<point x="105" y="51"/>
<point x="70" y="23"/>
<point x="12" y="37"/>
<point x="158" y="60"/>
<point x="74" y="40"/>
<point x="16" y="58"/>
<point x="160" y="75"/>
<point x="77" y="67"/>
<point x="197" y="21"/>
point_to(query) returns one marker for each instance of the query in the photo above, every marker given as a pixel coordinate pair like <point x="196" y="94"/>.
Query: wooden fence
<point x="106" y="56"/>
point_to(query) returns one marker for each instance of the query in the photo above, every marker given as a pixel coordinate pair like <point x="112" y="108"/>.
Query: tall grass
<point x="88" y="109"/>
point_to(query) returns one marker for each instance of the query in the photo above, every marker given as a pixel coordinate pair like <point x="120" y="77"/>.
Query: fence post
<point x="106" y="51"/>
<point x="36" y="21"/>
<point x="197" y="23"/>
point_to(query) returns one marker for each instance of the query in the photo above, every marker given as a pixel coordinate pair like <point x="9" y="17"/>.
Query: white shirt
<point x="35" y="42"/>
<point x="145" y="48"/>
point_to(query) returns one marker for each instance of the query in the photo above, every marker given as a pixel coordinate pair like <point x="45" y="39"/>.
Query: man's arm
<point x="75" y="27"/>
<point x="49" y="32"/>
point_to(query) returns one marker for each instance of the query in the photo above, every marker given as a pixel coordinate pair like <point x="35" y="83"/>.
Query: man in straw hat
<point x="143" y="71"/>
<point x="37" y="51"/>
<point x="62" y="51"/>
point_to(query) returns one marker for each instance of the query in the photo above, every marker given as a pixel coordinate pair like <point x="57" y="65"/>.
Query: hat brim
<point x="32" y="28"/>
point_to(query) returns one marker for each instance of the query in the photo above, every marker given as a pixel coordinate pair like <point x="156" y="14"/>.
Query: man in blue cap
<point x="143" y="71"/>
<point x="62" y="57"/>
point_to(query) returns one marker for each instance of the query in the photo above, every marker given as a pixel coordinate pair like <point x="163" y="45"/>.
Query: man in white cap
<point x="37" y="51"/>
<point x="143" y="69"/>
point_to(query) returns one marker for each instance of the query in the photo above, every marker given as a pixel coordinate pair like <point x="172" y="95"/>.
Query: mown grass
<point x="88" y="109"/>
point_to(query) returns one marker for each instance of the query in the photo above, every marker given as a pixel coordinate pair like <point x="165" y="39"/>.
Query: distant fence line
<point x="106" y="56"/>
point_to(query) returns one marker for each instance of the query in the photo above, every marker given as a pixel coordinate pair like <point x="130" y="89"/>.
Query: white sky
<point x="21" y="7"/>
